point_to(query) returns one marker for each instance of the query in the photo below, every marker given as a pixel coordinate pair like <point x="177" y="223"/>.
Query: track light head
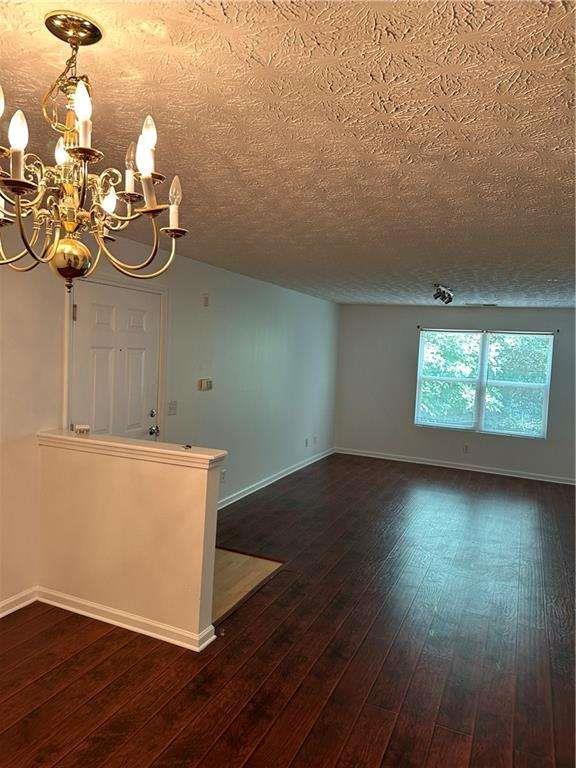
<point x="442" y="293"/>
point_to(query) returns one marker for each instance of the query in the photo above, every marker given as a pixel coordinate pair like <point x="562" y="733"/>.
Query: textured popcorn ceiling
<point x="356" y="151"/>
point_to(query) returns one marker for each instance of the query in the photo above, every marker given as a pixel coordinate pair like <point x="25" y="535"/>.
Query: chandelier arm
<point x="7" y="198"/>
<point x="130" y="273"/>
<point x="131" y="267"/>
<point x="118" y="227"/>
<point x="9" y="214"/>
<point x="28" y="244"/>
<point x="11" y="259"/>
<point x="28" y="204"/>
<point x="27" y="268"/>
<point x="124" y="220"/>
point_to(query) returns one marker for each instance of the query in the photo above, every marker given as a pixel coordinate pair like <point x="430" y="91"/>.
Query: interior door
<point x="115" y="360"/>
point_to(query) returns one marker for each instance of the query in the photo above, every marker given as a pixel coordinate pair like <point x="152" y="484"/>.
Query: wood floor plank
<point x="112" y="739"/>
<point x="368" y="739"/>
<point x="414" y="727"/>
<point x="207" y="725"/>
<point x="533" y="727"/>
<point x="525" y="760"/>
<point x="449" y="749"/>
<point x="22" y="738"/>
<point x="22" y="616"/>
<point x="100" y="744"/>
<point x="392" y="683"/>
<point x="67" y="645"/>
<point x="24" y="633"/>
<point x="173" y="714"/>
<point x="460" y="697"/>
<point x="63" y="625"/>
<point x="96" y="709"/>
<point x="424" y="617"/>
<point x="29" y="698"/>
<point x="334" y="692"/>
<point x="493" y="741"/>
<point x="246" y="731"/>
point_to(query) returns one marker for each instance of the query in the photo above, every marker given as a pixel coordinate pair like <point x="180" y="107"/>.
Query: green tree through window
<point x="488" y="382"/>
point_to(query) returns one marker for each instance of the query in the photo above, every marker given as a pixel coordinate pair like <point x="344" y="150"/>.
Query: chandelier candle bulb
<point x="145" y="163"/>
<point x="175" y="198"/>
<point x="2" y="102"/>
<point x="60" y="155"/>
<point x="130" y="167"/>
<point x="18" y="138"/>
<point x="149" y="193"/>
<point x="110" y="200"/>
<point x="83" y="109"/>
<point x="150" y="137"/>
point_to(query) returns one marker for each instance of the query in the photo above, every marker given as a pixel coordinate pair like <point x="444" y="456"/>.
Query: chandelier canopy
<point x="65" y="203"/>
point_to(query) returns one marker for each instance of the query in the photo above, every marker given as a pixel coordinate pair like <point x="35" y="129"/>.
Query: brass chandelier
<point x="65" y="202"/>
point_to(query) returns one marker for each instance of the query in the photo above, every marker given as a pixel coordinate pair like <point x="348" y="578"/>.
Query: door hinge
<point x="74" y="312"/>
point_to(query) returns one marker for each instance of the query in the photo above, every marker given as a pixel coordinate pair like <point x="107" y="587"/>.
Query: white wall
<point x="378" y="352"/>
<point x="270" y="351"/>
<point x="272" y="356"/>
<point x="31" y="335"/>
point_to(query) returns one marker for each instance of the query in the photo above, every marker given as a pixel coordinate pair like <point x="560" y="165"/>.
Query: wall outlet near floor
<point x="172" y="407"/>
<point x="222" y="476"/>
<point x="306" y="442"/>
<point x="315" y="440"/>
<point x="465" y="448"/>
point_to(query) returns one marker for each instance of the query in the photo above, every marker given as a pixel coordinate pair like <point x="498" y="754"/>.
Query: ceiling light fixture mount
<point x="73" y="28"/>
<point x="65" y="202"/>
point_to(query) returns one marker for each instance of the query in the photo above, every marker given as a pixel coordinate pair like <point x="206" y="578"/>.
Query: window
<point x="484" y="381"/>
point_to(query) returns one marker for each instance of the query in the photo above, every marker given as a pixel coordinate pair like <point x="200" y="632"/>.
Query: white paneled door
<point x="115" y="360"/>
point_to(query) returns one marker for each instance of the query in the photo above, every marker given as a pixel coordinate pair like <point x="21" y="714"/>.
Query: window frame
<point x="481" y="382"/>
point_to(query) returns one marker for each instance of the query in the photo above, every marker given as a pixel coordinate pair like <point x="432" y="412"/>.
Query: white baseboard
<point x="457" y="465"/>
<point x="18" y="601"/>
<point x="273" y="478"/>
<point x="131" y="621"/>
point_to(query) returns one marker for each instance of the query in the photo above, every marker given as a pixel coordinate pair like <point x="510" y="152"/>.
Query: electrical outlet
<point x="204" y="385"/>
<point x="466" y="448"/>
<point x="222" y="476"/>
<point x="315" y="439"/>
<point x="307" y="442"/>
<point x="205" y="299"/>
<point x="172" y="407"/>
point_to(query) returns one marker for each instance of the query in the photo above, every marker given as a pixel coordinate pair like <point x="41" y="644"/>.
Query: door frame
<point x="68" y="355"/>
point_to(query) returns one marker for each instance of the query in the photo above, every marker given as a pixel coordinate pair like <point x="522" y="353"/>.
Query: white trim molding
<point x="107" y="445"/>
<point x="118" y="618"/>
<point x="127" y="620"/>
<point x="456" y="465"/>
<point x="18" y="601"/>
<point x="273" y="478"/>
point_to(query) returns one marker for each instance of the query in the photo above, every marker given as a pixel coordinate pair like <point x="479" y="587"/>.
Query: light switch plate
<point x="172" y="407"/>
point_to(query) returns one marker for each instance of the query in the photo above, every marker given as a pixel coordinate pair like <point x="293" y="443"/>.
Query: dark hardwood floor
<point x="423" y="618"/>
